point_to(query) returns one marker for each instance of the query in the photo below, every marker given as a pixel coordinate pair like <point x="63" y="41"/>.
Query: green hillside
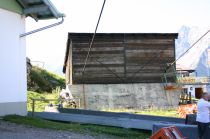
<point x="41" y="80"/>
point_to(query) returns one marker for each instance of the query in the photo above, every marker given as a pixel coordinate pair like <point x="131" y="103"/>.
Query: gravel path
<point x="14" y="131"/>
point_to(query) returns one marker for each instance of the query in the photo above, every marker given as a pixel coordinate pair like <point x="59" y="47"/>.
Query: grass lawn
<point x="94" y="130"/>
<point x="170" y="112"/>
<point x="160" y="112"/>
<point x="40" y="105"/>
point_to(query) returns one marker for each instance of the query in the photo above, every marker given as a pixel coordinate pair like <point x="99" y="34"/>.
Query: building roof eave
<point x="39" y="9"/>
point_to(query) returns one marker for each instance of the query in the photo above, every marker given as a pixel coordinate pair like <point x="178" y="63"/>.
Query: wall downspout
<point x="43" y="28"/>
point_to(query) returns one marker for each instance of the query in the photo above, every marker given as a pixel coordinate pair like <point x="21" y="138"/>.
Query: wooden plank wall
<point x="121" y="58"/>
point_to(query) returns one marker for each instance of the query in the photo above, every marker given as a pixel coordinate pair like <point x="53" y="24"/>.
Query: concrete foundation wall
<point x="18" y="108"/>
<point x="124" y="96"/>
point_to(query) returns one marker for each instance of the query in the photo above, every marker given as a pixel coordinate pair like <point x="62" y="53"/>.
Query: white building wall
<point x="13" y="85"/>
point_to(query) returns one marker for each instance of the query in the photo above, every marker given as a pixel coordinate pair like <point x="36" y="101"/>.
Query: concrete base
<point x="189" y="131"/>
<point x="124" y="96"/>
<point x="125" y="120"/>
<point x="18" y="108"/>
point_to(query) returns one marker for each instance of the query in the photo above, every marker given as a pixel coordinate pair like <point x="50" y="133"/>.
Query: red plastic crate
<point x="171" y="132"/>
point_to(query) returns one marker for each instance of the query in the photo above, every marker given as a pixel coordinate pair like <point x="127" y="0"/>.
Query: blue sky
<point x="140" y="16"/>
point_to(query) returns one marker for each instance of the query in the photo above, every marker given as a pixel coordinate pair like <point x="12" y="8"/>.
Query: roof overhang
<point x="183" y="68"/>
<point x="39" y="9"/>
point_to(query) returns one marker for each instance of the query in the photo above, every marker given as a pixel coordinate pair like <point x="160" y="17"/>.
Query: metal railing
<point x="77" y="101"/>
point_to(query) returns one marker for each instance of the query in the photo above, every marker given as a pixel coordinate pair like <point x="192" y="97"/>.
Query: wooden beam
<point x="97" y="65"/>
<point x="70" y="64"/>
<point x="35" y="9"/>
<point x="97" y="44"/>
<point x="100" y="69"/>
<point x="78" y="52"/>
<point x="150" y="41"/>
<point x="120" y="48"/>
<point x="136" y="46"/>
<point x="96" y="56"/>
<point x="125" y="61"/>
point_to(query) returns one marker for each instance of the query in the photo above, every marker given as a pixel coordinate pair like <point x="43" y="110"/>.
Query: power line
<point x="107" y="68"/>
<point x="190" y="47"/>
<point x="91" y="43"/>
<point x="177" y="58"/>
<point x="114" y="73"/>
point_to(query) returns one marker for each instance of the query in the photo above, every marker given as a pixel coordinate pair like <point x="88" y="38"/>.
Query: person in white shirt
<point x="202" y="117"/>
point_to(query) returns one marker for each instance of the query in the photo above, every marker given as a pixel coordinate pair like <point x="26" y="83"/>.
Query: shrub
<point x="41" y="80"/>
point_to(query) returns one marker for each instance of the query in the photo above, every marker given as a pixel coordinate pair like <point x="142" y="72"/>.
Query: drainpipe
<point x="43" y="28"/>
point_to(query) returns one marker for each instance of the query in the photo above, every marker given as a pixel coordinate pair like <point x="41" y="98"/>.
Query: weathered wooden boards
<point x="120" y="58"/>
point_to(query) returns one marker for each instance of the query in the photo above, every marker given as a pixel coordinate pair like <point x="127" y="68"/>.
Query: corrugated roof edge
<point x="53" y="9"/>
